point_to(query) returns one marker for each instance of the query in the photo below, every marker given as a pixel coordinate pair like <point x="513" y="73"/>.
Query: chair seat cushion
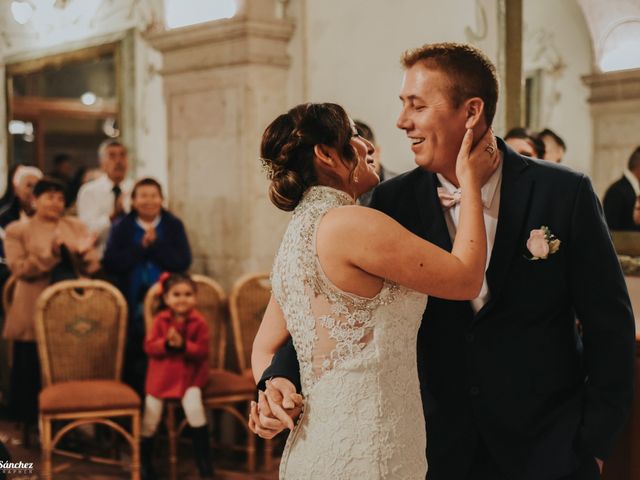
<point x="87" y="395"/>
<point x="223" y="382"/>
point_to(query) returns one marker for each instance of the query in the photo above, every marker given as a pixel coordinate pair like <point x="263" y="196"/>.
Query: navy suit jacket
<point x="619" y="201"/>
<point x="518" y="375"/>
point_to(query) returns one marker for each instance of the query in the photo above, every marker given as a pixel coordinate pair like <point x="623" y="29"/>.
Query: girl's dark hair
<point x="147" y="181"/>
<point x="287" y="148"/>
<point x="169" y="280"/>
<point x="48" y="184"/>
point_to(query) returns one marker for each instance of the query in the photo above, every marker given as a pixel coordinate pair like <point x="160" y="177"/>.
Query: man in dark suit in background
<point x="511" y="391"/>
<point x="620" y="197"/>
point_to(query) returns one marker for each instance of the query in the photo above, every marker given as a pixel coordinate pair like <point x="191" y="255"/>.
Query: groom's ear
<point x="474" y="111"/>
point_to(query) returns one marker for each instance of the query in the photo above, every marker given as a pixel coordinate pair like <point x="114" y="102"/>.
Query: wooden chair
<point x="247" y="302"/>
<point x="80" y="330"/>
<point x="7" y="350"/>
<point x="7" y="300"/>
<point x="225" y="389"/>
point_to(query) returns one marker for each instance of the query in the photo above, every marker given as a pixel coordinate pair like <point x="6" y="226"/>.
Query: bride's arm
<point x="271" y="335"/>
<point x="276" y="411"/>
<point x="387" y="250"/>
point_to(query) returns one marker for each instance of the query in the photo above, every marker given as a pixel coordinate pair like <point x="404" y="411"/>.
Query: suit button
<point x="470" y="337"/>
<point x="474" y="391"/>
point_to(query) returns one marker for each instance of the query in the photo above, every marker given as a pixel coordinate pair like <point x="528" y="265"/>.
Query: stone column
<point x="615" y="113"/>
<point x="224" y="81"/>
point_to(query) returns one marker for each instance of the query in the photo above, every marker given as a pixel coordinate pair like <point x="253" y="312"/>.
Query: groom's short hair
<point x="471" y="72"/>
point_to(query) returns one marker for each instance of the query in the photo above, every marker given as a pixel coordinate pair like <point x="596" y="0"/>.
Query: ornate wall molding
<point x="613" y="86"/>
<point x="74" y="21"/>
<point x="541" y="54"/>
<point x="219" y="43"/>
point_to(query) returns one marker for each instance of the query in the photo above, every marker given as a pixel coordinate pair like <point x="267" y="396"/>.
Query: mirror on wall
<point x="63" y="105"/>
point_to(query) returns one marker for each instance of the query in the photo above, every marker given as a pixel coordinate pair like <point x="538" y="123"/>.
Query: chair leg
<point x="268" y="455"/>
<point x="251" y="451"/>
<point x="45" y="439"/>
<point x="135" y="447"/>
<point x="173" y="440"/>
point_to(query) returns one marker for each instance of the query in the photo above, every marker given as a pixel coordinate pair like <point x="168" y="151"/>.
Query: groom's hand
<point x="263" y="427"/>
<point x="280" y="402"/>
<point x="600" y="464"/>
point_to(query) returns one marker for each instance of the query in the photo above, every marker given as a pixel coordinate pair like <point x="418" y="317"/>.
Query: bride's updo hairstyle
<point x="287" y="149"/>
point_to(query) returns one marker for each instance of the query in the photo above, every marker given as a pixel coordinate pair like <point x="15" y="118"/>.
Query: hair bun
<point x="286" y="189"/>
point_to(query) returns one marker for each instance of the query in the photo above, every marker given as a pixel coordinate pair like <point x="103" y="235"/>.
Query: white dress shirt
<point x="491" y="201"/>
<point x="95" y="205"/>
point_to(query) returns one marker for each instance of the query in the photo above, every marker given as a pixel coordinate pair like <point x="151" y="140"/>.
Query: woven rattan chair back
<point x="80" y="328"/>
<point x="211" y="302"/>
<point x="247" y="302"/>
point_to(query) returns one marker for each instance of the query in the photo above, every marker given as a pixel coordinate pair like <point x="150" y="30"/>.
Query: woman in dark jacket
<point x="145" y="243"/>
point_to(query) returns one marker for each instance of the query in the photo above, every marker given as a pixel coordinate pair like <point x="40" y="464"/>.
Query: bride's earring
<point x="355" y="178"/>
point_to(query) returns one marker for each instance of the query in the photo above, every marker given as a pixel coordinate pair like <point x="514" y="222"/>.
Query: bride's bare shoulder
<point x="350" y="219"/>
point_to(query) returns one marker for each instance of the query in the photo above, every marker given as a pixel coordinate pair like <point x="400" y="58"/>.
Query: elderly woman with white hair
<point x="19" y="207"/>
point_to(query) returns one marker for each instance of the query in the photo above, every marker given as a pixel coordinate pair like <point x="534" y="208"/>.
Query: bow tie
<point x="448" y="200"/>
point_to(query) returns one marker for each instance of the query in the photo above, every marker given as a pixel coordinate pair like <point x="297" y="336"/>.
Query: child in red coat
<point x="178" y="350"/>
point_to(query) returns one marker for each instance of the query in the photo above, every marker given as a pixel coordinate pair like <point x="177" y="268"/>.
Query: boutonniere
<point x="542" y="243"/>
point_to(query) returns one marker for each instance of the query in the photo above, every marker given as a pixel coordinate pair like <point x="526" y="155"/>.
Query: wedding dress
<point x="362" y="416"/>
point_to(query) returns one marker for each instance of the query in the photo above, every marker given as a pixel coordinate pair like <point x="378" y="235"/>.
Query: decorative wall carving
<point x="75" y="20"/>
<point x="540" y="54"/>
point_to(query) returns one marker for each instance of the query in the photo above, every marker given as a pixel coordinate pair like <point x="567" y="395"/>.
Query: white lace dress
<point x="363" y="413"/>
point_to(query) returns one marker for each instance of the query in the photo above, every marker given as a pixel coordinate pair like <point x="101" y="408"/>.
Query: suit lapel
<point x="515" y="193"/>
<point x="434" y="226"/>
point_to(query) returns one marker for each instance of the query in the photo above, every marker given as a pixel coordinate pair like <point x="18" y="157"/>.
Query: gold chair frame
<point x="77" y="419"/>
<point x="253" y="280"/>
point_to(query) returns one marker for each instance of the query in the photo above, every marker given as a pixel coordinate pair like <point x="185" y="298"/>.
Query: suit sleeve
<point x="601" y="302"/>
<point x="613" y="204"/>
<point x="155" y="342"/>
<point x="172" y="252"/>
<point x="284" y="364"/>
<point x="197" y="348"/>
<point x="122" y="253"/>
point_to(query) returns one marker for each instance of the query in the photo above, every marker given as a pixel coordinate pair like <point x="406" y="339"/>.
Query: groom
<point x="513" y="387"/>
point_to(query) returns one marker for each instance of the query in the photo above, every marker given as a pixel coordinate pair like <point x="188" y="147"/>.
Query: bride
<point x="349" y="286"/>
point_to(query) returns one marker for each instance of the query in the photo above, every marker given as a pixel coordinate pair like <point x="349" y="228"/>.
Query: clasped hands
<point x="278" y="407"/>
<point x="80" y="247"/>
<point x="174" y="339"/>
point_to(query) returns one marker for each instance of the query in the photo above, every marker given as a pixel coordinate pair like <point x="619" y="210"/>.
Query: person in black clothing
<point x="620" y="197"/>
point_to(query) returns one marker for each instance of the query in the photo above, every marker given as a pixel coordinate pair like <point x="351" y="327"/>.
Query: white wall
<point x="557" y="40"/>
<point x="151" y="123"/>
<point x="353" y="53"/>
<point x="348" y="52"/>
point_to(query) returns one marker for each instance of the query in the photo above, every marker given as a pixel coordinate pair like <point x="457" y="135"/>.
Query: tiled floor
<point x="229" y="466"/>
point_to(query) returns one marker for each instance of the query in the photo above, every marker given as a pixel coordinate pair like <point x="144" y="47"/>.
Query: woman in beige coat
<point x="34" y="248"/>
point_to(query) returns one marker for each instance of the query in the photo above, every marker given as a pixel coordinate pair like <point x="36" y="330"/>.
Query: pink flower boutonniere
<point x="542" y="243"/>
